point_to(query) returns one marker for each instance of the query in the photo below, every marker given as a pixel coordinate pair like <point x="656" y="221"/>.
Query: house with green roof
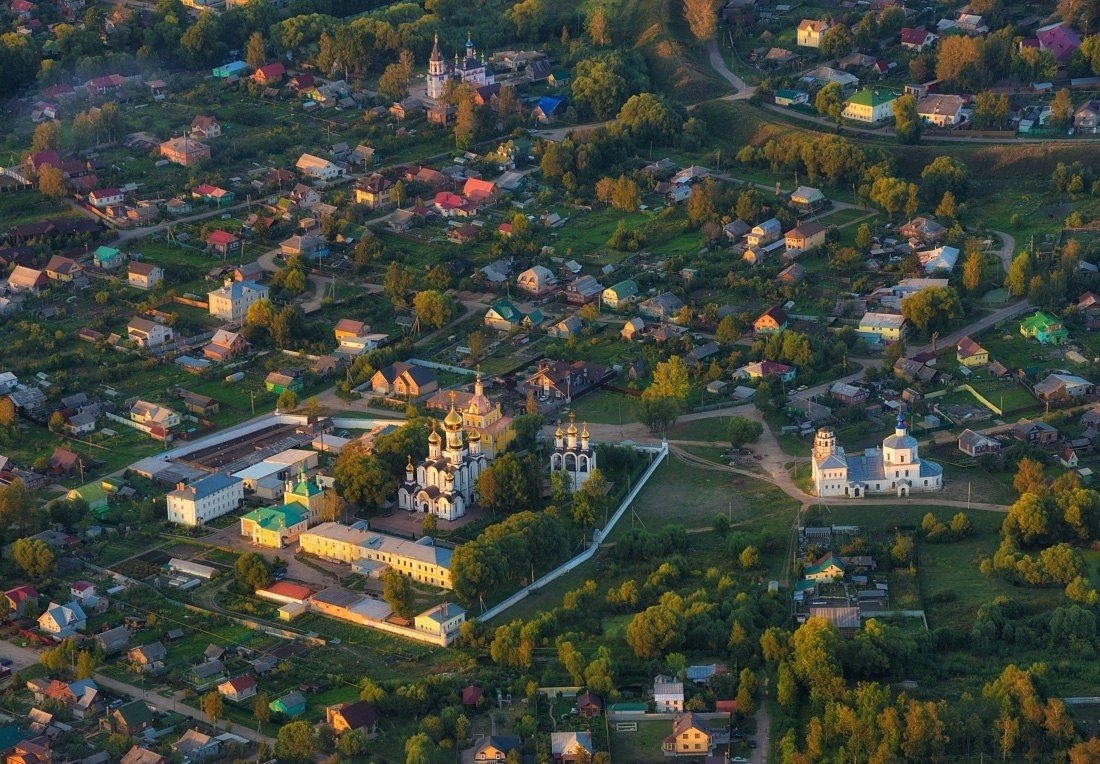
<point x="108" y="258"/>
<point x="131" y="718"/>
<point x="620" y="295"/>
<point x="504" y="316"/>
<point x="290" y="705"/>
<point x="870" y="105"/>
<point x="827" y="568"/>
<point x="1045" y="328"/>
<point x="275" y="527"/>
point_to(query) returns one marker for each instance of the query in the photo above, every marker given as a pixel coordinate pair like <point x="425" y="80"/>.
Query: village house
<point x="231" y="301"/>
<point x="810" y="32"/>
<point x="569" y="747"/>
<point x="360" y="715"/>
<point x="184" y="151"/>
<point x="765" y="233"/>
<point x="443" y="621"/>
<point x="60" y="621"/>
<point x="807" y="235"/>
<point x="870" y="106"/>
<point x="18" y="597"/>
<point x="826" y="568"/>
<point x="238" y="689"/>
<point x="223" y="243"/>
<point x="849" y="395"/>
<point x="881" y="327"/>
<point x="808" y="199"/>
<point x="404" y="380"/>
<point x="375" y="191"/>
<point x="140" y="755"/>
<point x="147" y="413"/>
<point x="970" y="353"/>
<point x="771" y="321"/>
<point x="147" y="658"/>
<point x="922" y="231"/>
<point x="224" y="346"/>
<point x="690" y="737"/>
<point x="589" y="704"/>
<point x="792" y="274"/>
<point x="504" y="316"/>
<point x="269" y="74"/>
<point x="212" y="496"/>
<point x="1060" y="387"/>
<point x="1045" y="328"/>
<point x="496" y="748"/>
<point x="204" y="127"/>
<point x="196" y="745"/>
<point x="668" y="694"/>
<point x="583" y="290"/>
<point x="105" y="197"/>
<point x="130" y="719"/>
<point x="481" y="193"/>
<point x="63" y="269"/>
<point x="148" y="334"/>
<point x="24" y="279"/>
<point x="537" y="281"/>
<point x="665" y="307"/>
<point x="1036" y="432"/>
<point x="212" y="195"/>
<point x="765" y="369"/>
<point x="304" y="196"/>
<point x="633" y="329"/>
<point x="975" y="444"/>
<point x="940" y="110"/>
<point x="108" y="258"/>
<point x="620" y="295"/>
<point x="320" y="169"/>
<point x="279" y="382"/>
<point x="563" y="380"/>
<point x="1086" y="117"/>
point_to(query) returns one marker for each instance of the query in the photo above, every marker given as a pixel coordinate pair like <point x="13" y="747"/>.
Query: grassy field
<point x="643" y="745"/>
<point x="604" y="407"/>
<point x="711" y="429"/>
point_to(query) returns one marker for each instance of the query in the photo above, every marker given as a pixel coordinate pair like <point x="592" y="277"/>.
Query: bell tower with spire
<point x="572" y="455"/>
<point x="437" y="72"/>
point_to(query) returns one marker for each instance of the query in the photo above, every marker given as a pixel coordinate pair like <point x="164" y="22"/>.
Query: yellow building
<point x="690" y="737"/>
<point x="371" y="553"/>
<point x="275" y="527"/>
<point x="970" y="353"/>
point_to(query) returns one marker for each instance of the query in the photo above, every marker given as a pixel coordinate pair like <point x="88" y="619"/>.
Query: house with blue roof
<point x="290" y="705"/>
<point x="212" y="496"/>
<point x="548" y="109"/>
<point x="232" y="69"/>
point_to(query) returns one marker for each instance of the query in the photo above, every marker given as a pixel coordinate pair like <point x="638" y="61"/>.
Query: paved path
<point x="22" y="657"/>
<point x="744" y="90"/>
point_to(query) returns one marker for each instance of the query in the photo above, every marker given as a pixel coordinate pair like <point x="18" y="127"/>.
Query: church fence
<point x="659" y="456"/>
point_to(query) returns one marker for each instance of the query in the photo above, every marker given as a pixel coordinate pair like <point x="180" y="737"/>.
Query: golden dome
<point x="572" y="429"/>
<point x="474" y="435"/>
<point x="584" y="430"/>
<point x="434" y="437"/>
<point x="453" y="420"/>
<point x="558" y="432"/>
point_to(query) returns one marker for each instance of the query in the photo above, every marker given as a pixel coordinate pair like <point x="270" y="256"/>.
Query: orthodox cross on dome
<point x="901" y="425"/>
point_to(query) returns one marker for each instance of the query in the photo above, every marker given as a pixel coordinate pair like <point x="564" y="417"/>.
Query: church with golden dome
<point x="572" y="455"/>
<point x="445" y="483"/>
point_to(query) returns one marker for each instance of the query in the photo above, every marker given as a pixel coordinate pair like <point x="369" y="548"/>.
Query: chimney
<point x="180" y="486"/>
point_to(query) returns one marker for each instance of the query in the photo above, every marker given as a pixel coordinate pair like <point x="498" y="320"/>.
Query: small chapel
<point x="445" y="483"/>
<point x="573" y="456"/>
<point x="467" y="68"/>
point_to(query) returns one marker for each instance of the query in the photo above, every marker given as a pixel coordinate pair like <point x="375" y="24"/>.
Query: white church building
<point x="467" y="68"/>
<point x="894" y="468"/>
<point x="444" y="484"/>
<point x="574" y="457"/>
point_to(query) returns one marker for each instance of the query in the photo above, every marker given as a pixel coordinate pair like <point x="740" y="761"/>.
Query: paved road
<point x="22" y="657"/>
<point x="974" y="327"/>
<point x="744" y="90"/>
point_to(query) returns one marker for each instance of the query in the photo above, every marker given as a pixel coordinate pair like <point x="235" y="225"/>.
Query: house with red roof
<point x="223" y="242"/>
<point x="917" y="39"/>
<point x="269" y="74"/>
<point x="105" y="85"/>
<point x="1060" y="40"/>
<point x="481" y="193"/>
<point x="450" y="205"/>
<point x="18" y="597"/>
<point x="60" y="90"/>
<point x="23" y="9"/>
<point x="238" y="689"/>
<point x="204" y="127"/>
<point x="105" y="197"/>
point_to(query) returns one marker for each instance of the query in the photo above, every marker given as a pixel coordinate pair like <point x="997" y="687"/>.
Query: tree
<point x="947" y="207"/>
<point x="932" y="309"/>
<point x="727" y="332"/>
<point x="829" y="102"/>
<point x="397" y="592"/>
<point x="252" y="571"/>
<point x="7" y="412"/>
<point x="598" y="86"/>
<point x="212" y="705"/>
<point x="597" y="27"/>
<point x="649" y="118"/>
<point x="47" y="136"/>
<point x="261" y="711"/>
<point x="941" y="175"/>
<point x="654" y="630"/>
<point x="907" y="125"/>
<point x="1019" y="275"/>
<point x="836" y="42"/>
<point x="33" y="556"/>
<point x="991" y="111"/>
<point x="815" y="646"/>
<point x="418" y="749"/>
<point x="1029" y="477"/>
<point x="743" y="430"/>
<point x="296" y="742"/>
<point x="658" y="414"/>
<point x="433" y="308"/>
<point x="394" y="82"/>
<point x="475" y="341"/>
<point x="972" y="271"/>
<point x="890" y="193"/>
<point x="749" y="558"/>
<point x="625" y="194"/>
<point x="466" y="116"/>
<point x="260" y="313"/>
<point x="51" y="182"/>
<point x="958" y="61"/>
<point x="863" y="237"/>
<point x="396" y="284"/>
<point x="56" y="422"/>
<point x="507" y="485"/>
<point x="671" y="379"/>
<point x="352" y="743"/>
<point x="702" y="18"/>
<point x="746" y="692"/>
<point x="1061" y="110"/>
<point x="1082" y="14"/>
<point x="288" y="401"/>
<point x="86" y="664"/>
<point x="256" y="51"/>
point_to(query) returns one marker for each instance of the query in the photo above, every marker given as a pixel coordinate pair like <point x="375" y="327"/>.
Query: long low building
<point x="420" y="560"/>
